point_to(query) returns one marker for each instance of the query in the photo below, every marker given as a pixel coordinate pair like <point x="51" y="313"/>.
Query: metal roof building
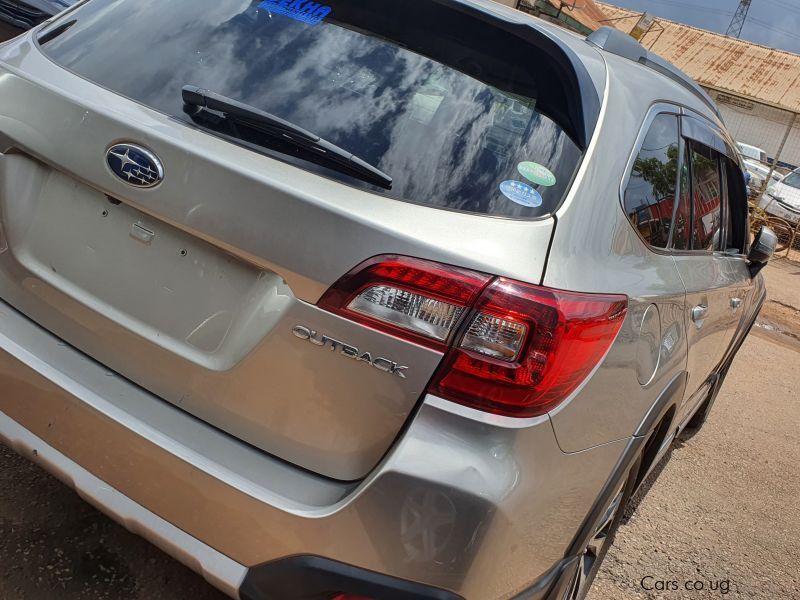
<point x="757" y="88"/>
<point x="582" y="16"/>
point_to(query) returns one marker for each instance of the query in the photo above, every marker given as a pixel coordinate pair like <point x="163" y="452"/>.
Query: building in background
<point x="757" y="88"/>
<point x="581" y="16"/>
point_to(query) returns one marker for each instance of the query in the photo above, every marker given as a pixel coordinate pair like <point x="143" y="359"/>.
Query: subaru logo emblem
<point x="135" y="165"/>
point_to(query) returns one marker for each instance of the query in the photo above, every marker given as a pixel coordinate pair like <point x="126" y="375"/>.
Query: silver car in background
<point x="353" y="300"/>
<point x="759" y="174"/>
<point x="782" y="198"/>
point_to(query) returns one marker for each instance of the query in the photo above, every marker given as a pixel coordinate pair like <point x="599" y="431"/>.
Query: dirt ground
<point x="724" y="512"/>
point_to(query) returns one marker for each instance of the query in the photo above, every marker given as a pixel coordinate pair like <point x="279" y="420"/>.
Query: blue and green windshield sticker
<point x="521" y="193"/>
<point x="305" y="11"/>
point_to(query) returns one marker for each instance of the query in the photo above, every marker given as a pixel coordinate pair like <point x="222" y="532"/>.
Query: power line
<point x="765" y="25"/>
<point x="785" y="6"/>
<point x="694" y="7"/>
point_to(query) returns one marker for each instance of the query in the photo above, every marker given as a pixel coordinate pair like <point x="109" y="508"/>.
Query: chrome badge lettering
<point x="325" y="341"/>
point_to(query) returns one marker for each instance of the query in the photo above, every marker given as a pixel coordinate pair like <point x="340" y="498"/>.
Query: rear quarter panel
<point x="595" y="249"/>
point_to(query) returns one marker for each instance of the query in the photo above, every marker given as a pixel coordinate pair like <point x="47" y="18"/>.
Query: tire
<point x="605" y="530"/>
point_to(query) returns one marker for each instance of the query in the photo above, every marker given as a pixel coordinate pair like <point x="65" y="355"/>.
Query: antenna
<point x="737" y="23"/>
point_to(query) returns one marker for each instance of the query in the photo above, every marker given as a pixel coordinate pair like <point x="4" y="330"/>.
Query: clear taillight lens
<point x="495" y="337"/>
<point x="415" y="312"/>
<point x="528" y="348"/>
<point x="416" y="299"/>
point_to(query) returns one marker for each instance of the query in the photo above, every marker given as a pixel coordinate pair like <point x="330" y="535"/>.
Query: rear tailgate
<point x="192" y="289"/>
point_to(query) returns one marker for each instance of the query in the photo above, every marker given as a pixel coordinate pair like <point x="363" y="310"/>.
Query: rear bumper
<point x="218" y="569"/>
<point x="480" y="508"/>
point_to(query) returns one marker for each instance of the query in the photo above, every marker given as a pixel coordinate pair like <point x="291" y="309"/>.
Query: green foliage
<point x="661" y="176"/>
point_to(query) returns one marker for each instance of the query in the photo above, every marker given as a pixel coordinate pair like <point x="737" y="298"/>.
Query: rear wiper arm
<point x="197" y="98"/>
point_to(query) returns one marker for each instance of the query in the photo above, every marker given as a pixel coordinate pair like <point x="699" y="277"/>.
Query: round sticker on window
<point x="537" y="173"/>
<point x="521" y="193"/>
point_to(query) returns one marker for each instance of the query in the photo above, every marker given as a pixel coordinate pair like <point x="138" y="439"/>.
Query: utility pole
<point x="737" y="23"/>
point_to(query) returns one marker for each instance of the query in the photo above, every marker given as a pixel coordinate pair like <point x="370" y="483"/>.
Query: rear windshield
<point x="458" y="120"/>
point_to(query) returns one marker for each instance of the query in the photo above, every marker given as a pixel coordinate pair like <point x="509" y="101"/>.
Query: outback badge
<point x="324" y="341"/>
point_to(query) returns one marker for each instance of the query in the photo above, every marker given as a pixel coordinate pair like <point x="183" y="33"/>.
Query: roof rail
<point x="616" y="42"/>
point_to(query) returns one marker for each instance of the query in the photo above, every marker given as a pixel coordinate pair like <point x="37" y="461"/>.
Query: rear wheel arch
<point x="652" y="446"/>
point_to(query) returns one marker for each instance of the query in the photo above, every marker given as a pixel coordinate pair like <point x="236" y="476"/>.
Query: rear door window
<point x="461" y="114"/>
<point x="707" y="198"/>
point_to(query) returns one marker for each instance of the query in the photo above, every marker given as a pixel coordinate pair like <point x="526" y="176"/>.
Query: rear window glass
<point x="457" y="120"/>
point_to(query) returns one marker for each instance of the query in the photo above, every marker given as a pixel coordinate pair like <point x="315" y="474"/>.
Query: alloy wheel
<point x="592" y="555"/>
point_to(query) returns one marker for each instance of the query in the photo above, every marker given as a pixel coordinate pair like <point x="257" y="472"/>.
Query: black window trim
<point x="746" y="225"/>
<point x="678" y="185"/>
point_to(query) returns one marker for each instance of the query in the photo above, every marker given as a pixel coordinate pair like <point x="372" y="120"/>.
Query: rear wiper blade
<point x="196" y="99"/>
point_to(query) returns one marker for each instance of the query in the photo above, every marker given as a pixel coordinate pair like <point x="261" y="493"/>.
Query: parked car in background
<point x="349" y="300"/>
<point x="782" y="199"/>
<point x="759" y="173"/>
<point x="31" y="12"/>
<point x="752" y="152"/>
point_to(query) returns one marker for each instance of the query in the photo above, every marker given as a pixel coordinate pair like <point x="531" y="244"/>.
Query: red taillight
<point x="565" y="335"/>
<point x="414" y="299"/>
<point x="522" y="349"/>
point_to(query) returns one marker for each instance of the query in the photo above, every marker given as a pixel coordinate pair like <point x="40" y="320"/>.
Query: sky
<point x="773" y="23"/>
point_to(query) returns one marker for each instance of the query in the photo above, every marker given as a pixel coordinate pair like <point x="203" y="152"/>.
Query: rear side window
<point x="650" y="195"/>
<point x="707" y="198"/>
<point x="458" y="112"/>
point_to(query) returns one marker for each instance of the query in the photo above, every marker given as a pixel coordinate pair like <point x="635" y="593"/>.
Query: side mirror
<point x="762" y="249"/>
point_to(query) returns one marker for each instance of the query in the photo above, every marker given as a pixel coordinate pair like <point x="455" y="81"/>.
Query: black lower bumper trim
<point x="317" y="578"/>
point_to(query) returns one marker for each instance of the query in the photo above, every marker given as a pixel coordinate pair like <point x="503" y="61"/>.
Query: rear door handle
<point x="699" y="313"/>
<point x="736" y="303"/>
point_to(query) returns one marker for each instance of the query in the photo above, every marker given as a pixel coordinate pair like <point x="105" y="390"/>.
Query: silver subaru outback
<point x="362" y="299"/>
